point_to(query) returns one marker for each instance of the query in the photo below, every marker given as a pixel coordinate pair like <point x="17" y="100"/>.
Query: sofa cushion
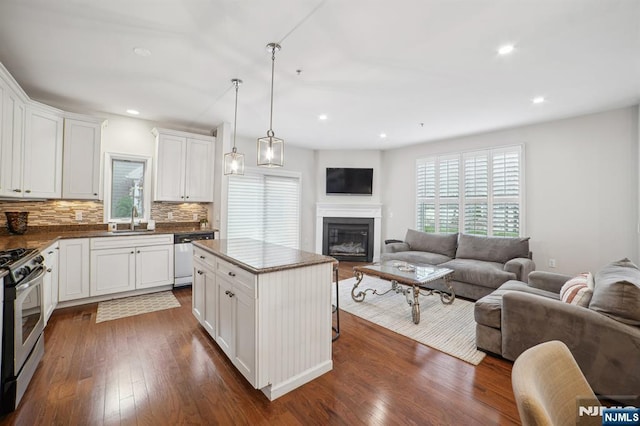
<point x="578" y="291"/>
<point x="492" y="249"/>
<point x="444" y="244"/>
<point x="488" y="310"/>
<point x="617" y="292"/>
<point x="485" y="274"/>
<point x="416" y="257"/>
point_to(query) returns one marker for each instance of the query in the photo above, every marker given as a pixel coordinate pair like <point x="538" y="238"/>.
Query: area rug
<point x="135" y="305"/>
<point x="448" y="328"/>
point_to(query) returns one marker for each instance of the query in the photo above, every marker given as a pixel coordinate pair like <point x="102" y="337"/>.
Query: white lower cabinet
<point x="113" y="271"/>
<point x="275" y="326"/>
<point x="73" y="269"/>
<point x="50" y="280"/>
<point x="120" y="264"/>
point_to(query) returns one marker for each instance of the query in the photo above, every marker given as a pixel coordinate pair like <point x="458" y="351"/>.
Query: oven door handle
<point x="32" y="278"/>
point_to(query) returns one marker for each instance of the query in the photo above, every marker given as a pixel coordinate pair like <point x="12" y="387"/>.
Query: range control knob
<point x="23" y="272"/>
<point x="39" y="259"/>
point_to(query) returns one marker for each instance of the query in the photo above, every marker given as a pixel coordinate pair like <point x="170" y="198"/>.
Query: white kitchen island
<point x="268" y="307"/>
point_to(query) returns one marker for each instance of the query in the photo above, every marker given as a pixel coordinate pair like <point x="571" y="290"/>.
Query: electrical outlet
<point x="78" y="215"/>
<point x="195" y="217"/>
<point x="169" y="215"/>
<point x="552" y="263"/>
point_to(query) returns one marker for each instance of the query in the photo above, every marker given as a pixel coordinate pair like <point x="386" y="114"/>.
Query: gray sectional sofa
<point x="480" y="264"/>
<point x="604" y="337"/>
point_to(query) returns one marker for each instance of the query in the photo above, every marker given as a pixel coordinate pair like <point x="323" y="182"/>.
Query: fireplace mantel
<point x="350" y="210"/>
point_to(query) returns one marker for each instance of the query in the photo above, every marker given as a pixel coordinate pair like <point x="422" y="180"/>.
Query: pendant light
<point x="271" y="149"/>
<point x="234" y="162"/>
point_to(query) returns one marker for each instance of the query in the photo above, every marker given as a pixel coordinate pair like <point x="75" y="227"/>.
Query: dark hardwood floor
<point x="163" y="368"/>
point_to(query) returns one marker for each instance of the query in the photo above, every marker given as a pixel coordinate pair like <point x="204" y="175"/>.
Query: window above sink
<point x="127" y="181"/>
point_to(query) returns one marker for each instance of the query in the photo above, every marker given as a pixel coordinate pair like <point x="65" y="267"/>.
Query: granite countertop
<point x="43" y="239"/>
<point x="259" y="257"/>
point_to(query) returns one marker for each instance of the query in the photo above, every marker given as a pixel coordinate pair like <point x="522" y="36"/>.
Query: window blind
<point x="264" y="207"/>
<point x="474" y="192"/>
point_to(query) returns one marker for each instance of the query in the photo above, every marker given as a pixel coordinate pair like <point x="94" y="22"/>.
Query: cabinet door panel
<point x="197" y="291"/>
<point x="199" y="171"/>
<point x="169" y="182"/>
<point x="210" y="299"/>
<point x="112" y="271"/>
<point x="74" y="269"/>
<point x="12" y="138"/>
<point x="224" y="331"/>
<point x="81" y="159"/>
<point x="245" y="336"/>
<point x="42" y="173"/>
<point x="154" y="266"/>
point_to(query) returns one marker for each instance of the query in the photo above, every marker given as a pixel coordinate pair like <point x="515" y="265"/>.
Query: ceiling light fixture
<point x="234" y="162"/>
<point x="141" y="51"/>
<point x="322" y="117"/>
<point x="538" y="100"/>
<point x="271" y="149"/>
<point x="133" y="112"/>
<point x="383" y="135"/>
<point x="506" y="49"/>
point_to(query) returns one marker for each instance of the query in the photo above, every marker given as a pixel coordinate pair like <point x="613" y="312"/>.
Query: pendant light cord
<point x="273" y="66"/>
<point x="235" y="116"/>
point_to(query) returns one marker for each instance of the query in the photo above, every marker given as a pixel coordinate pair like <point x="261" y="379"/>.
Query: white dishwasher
<point x="183" y="255"/>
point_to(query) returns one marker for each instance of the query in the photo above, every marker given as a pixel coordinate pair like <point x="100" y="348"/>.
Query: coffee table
<point x="401" y="274"/>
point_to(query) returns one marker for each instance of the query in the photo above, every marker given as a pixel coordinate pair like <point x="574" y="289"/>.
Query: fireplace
<point x="348" y="238"/>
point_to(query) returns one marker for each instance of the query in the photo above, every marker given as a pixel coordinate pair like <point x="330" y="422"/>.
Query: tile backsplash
<point x="63" y="212"/>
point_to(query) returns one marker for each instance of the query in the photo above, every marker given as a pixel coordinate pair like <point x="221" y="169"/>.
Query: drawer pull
<point x="202" y="257"/>
<point x="231" y="294"/>
<point x="50" y="252"/>
<point x="49" y="270"/>
<point x="132" y="253"/>
<point x="200" y="272"/>
<point x="17" y="190"/>
<point x="232" y="274"/>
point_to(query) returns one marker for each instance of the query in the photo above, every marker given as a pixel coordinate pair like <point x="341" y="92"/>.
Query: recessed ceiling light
<point x="506" y="49"/>
<point x="383" y="135"/>
<point x="322" y="117"/>
<point x="141" y="51"/>
<point x="538" y="100"/>
<point x="133" y="112"/>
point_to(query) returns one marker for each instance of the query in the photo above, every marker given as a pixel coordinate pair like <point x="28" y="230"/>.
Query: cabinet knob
<point x="231" y="294"/>
<point x="199" y="272"/>
<point x="187" y="196"/>
<point x="138" y="251"/>
<point x="17" y="190"/>
<point x="202" y="257"/>
<point x="132" y="253"/>
<point x="49" y="270"/>
<point x="95" y="194"/>
<point x="226" y="292"/>
<point x="28" y="191"/>
<point x="232" y="274"/>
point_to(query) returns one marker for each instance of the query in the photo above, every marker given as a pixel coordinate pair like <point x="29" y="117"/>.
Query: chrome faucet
<point x="134" y="214"/>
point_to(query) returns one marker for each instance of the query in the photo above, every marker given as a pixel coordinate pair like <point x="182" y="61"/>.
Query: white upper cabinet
<point x="184" y="166"/>
<point x="12" y="138"/>
<point x="42" y="170"/>
<point x="30" y="145"/>
<point x="81" y="159"/>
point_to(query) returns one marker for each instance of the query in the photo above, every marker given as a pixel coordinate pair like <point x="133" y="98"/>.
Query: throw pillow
<point x="492" y="249"/>
<point x="433" y="243"/>
<point x="576" y="291"/>
<point x="617" y="292"/>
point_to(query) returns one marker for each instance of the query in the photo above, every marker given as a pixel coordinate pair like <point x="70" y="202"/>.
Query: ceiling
<point x="416" y="70"/>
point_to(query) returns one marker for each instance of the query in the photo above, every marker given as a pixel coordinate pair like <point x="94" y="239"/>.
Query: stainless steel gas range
<point x="23" y="323"/>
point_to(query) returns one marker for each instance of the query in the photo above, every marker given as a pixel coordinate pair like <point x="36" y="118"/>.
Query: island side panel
<point x="294" y="317"/>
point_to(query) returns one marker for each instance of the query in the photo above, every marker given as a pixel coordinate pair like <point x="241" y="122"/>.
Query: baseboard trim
<point x="274" y="391"/>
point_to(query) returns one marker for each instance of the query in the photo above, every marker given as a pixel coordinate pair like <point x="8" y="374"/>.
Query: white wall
<point x="581" y="179"/>
<point x="296" y="159"/>
<point x="344" y="158"/>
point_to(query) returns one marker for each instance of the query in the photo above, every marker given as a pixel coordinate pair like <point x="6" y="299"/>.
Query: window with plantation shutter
<point x="477" y="193"/>
<point x="264" y="207"/>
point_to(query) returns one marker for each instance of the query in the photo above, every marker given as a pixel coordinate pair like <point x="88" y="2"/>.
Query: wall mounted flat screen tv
<point x="349" y="181"/>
